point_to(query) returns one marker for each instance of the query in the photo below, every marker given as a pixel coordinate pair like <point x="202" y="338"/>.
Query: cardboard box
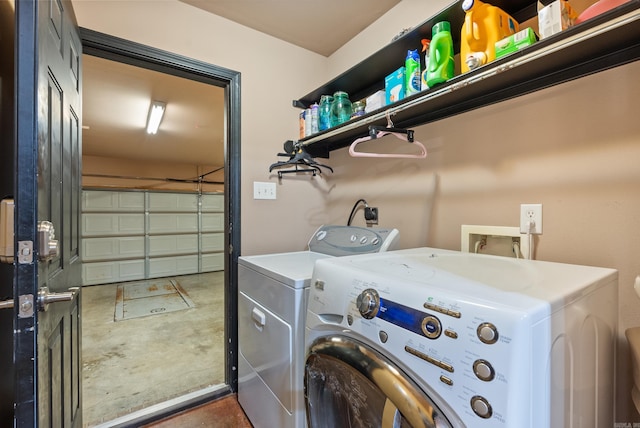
<point x="554" y="18"/>
<point x="515" y="42"/>
<point x="394" y="86"/>
<point x="375" y="101"/>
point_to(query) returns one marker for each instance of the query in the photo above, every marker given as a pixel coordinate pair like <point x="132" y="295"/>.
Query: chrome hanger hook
<point x="389" y="121"/>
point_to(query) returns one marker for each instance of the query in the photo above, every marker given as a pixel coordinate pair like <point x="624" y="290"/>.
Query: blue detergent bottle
<point x="441" y="61"/>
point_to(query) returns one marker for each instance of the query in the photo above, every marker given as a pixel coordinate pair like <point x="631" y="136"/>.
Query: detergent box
<point x="515" y="42"/>
<point x="394" y="86"/>
<point x="554" y="18"/>
<point x="375" y="101"/>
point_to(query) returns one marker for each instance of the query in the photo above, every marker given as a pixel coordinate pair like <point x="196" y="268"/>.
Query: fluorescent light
<point x="155" y="116"/>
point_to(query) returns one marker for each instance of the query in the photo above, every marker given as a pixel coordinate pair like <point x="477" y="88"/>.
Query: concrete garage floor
<point x="135" y="363"/>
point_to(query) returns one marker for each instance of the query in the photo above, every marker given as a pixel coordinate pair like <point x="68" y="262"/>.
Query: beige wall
<point x="106" y="172"/>
<point x="574" y="148"/>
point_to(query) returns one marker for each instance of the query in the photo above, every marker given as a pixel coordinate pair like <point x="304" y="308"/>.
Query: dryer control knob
<point x="484" y="370"/>
<point x="368" y="303"/>
<point x="487" y="333"/>
<point x="481" y="407"/>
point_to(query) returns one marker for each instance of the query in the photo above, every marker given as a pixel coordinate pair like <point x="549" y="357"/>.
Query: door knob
<point x="6" y="304"/>
<point x="45" y="297"/>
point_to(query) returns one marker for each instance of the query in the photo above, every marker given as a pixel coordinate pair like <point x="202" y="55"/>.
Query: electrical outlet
<point x="371" y="215"/>
<point x="531" y="213"/>
<point x="264" y="190"/>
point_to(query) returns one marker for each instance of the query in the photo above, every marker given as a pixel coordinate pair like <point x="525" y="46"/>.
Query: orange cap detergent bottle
<point x="423" y="76"/>
<point x="484" y="25"/>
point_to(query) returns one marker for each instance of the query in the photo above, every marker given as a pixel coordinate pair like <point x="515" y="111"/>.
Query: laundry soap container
<point x="484" y="25"/>
<point x="441" y="62"/>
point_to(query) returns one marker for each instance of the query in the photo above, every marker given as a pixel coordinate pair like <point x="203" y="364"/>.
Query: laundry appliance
<point x="435" y="338"/>
<point x="272" y="305"/>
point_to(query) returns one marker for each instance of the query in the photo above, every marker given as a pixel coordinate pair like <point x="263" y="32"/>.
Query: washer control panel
<point x="451" y="343"/>
<point x="353" y="240"/>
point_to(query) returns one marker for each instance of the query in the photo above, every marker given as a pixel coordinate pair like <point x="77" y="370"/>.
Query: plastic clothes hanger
<point x="376" y="132"/>
<point x="298" y="156"/>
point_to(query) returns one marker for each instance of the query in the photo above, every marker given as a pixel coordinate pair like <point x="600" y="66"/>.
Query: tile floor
<point x="132" y="364"/>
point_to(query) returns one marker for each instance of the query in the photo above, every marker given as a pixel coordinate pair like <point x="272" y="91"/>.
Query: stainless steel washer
<point x="272" y="305"/>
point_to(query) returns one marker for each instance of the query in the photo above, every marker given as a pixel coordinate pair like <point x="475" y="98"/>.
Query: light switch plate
<point x="264" y="190"/>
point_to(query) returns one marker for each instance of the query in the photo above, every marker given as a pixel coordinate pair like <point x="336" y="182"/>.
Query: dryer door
<point x="348" y="384"/>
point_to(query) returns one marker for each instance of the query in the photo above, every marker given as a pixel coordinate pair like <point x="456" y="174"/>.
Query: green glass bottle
<point x="341" y="108"/>
<point x="324" y="115"/>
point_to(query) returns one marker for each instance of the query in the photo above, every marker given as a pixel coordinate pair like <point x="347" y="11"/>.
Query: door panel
<point x="48" y="393"/>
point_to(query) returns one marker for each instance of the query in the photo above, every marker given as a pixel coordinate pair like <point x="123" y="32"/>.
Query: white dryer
<point x="272" y="305"/>
<point x="434" y="338"/>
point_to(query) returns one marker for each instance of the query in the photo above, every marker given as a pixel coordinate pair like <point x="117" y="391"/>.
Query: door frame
<point x="132" y="53"/>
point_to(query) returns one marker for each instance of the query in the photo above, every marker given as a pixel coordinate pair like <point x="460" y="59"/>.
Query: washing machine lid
<point x="293" y="269"/>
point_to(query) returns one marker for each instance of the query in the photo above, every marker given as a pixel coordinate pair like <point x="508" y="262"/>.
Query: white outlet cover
<point x="531" y="212"/>
<point x="264" y="190"/>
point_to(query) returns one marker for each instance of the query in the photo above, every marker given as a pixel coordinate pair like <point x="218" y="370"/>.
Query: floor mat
<point x="151" y="297"/>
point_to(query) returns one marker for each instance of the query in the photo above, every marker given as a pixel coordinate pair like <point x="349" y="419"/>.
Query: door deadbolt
<point x="47" y="243"/>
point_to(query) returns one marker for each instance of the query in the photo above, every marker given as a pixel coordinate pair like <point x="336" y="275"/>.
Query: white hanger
<point x="376" y="132"/>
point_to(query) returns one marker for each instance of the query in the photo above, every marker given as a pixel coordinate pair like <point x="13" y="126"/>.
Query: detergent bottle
<point x="423" y="76"/>
<point x="412" y="72"/>
<point x="441" y="61"/>
<point x="483" y="26"/>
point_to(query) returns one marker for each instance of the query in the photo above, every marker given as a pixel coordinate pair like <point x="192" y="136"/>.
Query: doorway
<point x="123" y="51"/>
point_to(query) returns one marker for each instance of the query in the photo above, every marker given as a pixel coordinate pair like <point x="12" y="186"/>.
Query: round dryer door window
<point x="348" y="384"/>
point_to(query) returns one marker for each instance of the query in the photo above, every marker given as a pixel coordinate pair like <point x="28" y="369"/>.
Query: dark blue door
<point x="47" y="216"/>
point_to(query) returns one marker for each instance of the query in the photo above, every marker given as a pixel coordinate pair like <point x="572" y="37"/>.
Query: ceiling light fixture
<point x="155" y="116"/>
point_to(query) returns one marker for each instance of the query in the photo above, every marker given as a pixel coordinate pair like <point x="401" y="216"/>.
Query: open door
<point x="47" y="276"/>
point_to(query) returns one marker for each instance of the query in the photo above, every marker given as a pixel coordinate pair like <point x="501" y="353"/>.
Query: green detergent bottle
<point x="441" y="61"/>
<point x="412" y="72"/>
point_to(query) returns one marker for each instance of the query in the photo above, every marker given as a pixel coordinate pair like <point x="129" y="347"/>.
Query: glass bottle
<point x="358" y="109"/>
<point x="324" y="112"/>
<point x="314" y="119"/>
<point x="341" y="108"/>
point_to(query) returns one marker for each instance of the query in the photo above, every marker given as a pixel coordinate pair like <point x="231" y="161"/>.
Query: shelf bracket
<point x="299" y="104"/>
<point x="374" y="129"/>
